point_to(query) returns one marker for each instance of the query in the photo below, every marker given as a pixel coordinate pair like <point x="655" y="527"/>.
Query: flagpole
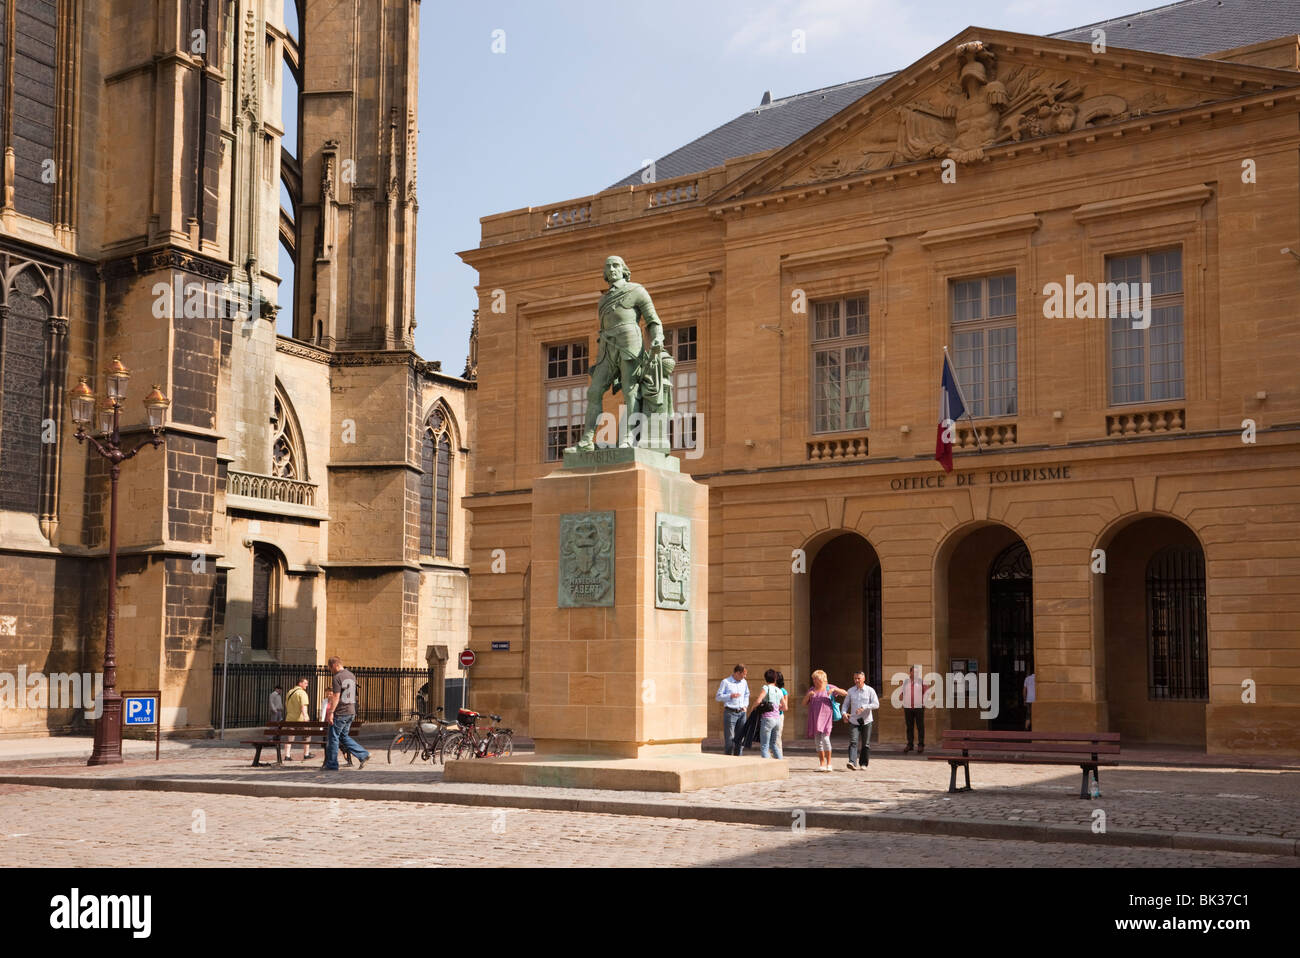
<point x="979" y="446"/>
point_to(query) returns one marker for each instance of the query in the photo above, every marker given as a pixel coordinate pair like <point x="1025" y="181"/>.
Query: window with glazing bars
<point x="841" y="361"/>
<point x="681" y="343"/>
<point x="984" y="343"/>
<point x="566" y="396"/>
<point x="1146" y="365"/>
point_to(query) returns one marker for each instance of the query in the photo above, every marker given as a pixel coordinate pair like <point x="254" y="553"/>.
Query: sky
<point x="585" y="93"/>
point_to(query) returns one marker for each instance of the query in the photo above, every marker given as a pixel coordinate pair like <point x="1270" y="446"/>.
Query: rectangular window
<point x="841" y="373"/>
<point x="1146" y="365"/>
<point x="681" y="343"/>
<point x="984" y="343"/>
<point x="566" y="397"/>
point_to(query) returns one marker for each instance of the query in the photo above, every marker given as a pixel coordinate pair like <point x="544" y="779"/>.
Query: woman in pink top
<point x="821" y="716"/>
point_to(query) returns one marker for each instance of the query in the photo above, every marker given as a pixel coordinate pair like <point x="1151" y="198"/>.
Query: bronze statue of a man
<point x="622" y="359"/>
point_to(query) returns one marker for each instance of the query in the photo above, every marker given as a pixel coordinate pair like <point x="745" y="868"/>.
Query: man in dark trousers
<point x="343" y="706"/>
<point x="914" y="709"/>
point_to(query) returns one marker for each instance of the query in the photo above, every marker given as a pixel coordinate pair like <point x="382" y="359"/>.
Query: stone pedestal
<point x="618" y="687"/>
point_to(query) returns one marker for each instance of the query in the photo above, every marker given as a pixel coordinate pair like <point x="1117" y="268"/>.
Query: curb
<point x="727" y="814"/>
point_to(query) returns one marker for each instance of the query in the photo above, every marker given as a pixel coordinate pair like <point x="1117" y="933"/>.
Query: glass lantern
<point x="117" y="379"/>
<point x="82" y="399"/>
<point x="155" y="405"/>
<point x="105" y="414"/>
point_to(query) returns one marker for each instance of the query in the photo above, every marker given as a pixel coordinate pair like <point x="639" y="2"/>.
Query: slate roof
<point x="1191" y="28"/>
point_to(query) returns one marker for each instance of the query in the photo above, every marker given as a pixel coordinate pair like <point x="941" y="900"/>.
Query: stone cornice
<point x="986" y="229"/>
<point x="293" y="347"/>
<point x="167" y="257"/>
<point x="370" y="564"/>
<point x="1182" y="196"/>
<point x="875" y="249"/>
<point x="431" y="368"/>
<point x="657" y="288"/>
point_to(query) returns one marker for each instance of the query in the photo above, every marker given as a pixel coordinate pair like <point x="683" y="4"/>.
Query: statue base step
<point x="667" y="773"/>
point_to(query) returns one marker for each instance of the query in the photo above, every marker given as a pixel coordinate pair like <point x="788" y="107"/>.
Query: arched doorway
<point x="844" y="611"/>
<point x="1154" y="645"/>
<point x="1011" y="631"/>
<point x="984" y="623"/>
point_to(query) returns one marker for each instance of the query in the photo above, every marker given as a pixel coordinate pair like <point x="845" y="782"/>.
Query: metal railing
<point x="383" y="695"/>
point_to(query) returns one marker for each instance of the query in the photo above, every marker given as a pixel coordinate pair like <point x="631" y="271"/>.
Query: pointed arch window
<point x="435" y="486"/>
<point x="24" y="316"/>
<point x="266" y="598"/>
<point x="288" y="457"/>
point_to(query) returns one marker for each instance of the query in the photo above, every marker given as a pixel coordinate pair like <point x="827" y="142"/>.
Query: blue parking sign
<point x="141" y="711"/>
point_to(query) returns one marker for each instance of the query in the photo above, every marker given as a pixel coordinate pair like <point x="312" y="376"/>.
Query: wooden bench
<point x="307" y="734"/>
<point x="1088" y="750"/>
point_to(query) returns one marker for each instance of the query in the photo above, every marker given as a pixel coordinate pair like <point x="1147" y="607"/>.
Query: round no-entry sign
<point x="467" y="658"/>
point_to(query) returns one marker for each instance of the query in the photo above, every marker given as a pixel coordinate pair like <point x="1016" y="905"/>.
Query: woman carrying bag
<point x="823" y="711"/>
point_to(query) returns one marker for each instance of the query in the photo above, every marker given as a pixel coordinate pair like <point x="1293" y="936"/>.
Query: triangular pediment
<point x="989" y="89"/>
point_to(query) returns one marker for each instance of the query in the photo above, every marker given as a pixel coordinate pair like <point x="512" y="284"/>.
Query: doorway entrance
<point x="845" y="619"/>
<point x="1011" y="631"/>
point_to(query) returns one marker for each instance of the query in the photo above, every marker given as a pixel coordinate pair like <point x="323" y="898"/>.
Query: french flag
<point x="951" y="408"/>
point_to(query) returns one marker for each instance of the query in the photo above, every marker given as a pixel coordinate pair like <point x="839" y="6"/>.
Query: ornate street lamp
<point x="108" y="728"/>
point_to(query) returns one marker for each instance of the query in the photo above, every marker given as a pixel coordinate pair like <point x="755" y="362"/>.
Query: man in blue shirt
<point x="733" y="693"/>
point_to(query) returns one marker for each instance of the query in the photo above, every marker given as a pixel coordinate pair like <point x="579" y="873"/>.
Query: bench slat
<point x="1101" y="748"/>
<point x="996" y="736"/>
<point x="995" y="760"/>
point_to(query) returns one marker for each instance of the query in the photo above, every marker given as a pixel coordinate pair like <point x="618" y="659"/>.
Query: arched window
<point x="1177" y="638"/>
<point x="435" y="485"/>
<point x="266" y="597"/>
<point x="288" y="458"/>
<point x="22" y="359"/>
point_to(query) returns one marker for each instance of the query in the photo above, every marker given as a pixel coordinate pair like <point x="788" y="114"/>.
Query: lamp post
<point x="108" y="729"/>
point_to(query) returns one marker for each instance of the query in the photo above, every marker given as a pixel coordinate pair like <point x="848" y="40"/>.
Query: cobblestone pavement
<point x="1240" y="802"/>
<point x="60" y="827"/>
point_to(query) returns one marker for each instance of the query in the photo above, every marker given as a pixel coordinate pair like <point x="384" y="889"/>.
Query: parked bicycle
<point x="422" y="738"/>
<point x="493" y="742"/>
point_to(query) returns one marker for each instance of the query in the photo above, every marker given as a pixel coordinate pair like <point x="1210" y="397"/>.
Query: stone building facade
<point x="307" y="497"/>
<point x="1121" y="519"/>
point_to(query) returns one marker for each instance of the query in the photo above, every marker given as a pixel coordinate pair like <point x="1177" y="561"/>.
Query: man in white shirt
<point x="277" y="704"/>
<point x="1030" y="692"/>
<point x="859" y="708"/>
<point x="914" y="708"/>
<point x="733" y="693"/>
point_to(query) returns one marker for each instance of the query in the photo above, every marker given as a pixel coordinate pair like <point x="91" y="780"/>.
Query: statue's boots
<point x="586" y="444"/>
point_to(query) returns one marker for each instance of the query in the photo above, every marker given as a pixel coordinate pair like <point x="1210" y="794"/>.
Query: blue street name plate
<point x="140" y="711"/>
<point x="500" y="646"/>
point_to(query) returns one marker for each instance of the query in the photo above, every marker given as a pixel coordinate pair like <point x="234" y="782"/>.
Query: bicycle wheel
<point x="402" y="743"/>
<point x="439" y="741"/>
<point x="447" y="747"/>
<point x="466" y="747"/>
<point x="502" y="745"/>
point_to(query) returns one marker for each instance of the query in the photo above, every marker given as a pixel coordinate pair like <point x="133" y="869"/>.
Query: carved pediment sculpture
<point x="987" y="106"/>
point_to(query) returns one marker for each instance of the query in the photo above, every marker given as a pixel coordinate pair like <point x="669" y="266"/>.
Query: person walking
<point x="297" y="708"/>
<point x="769" y="729"/>
<point x="820" y="702"/>
<point x="1029" y="692"/>
<point x="914" y="708"/>
<point x="343" y="706"/>
<point x="785" y="706"/>
<point x="859" y="711"/>
<point x="733" y="693"/>
<point x="277" y="704"/>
